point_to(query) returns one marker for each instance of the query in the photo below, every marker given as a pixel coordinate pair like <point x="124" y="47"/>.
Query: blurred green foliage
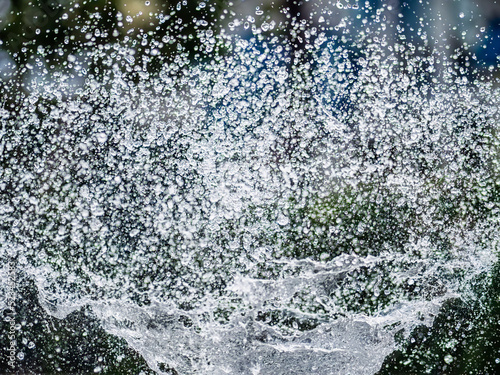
<point x="362" y="220"/>
<point x="464" y="338"/>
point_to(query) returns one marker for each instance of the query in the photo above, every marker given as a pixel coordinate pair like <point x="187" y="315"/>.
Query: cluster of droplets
<point x="261" y="209"/>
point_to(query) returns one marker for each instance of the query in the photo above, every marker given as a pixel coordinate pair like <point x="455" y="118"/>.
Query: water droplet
<point x="282" y="220"/>
<point x="102" y="137"/>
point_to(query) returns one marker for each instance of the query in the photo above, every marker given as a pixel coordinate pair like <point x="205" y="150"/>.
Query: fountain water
<point x="251" y="212"/>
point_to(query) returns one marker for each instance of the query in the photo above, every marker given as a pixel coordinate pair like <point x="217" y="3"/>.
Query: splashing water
<point x="252" y="212"/>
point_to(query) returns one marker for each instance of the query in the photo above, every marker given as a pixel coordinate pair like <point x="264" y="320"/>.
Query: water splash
<point x="256" y="212"/>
